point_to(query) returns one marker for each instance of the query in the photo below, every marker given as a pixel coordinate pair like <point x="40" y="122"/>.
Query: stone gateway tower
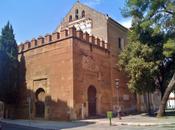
<point x="71" y="73"/>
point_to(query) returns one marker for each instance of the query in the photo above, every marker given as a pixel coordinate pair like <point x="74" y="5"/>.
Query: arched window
<point x="83" y="14"/>
<point x="76" y="11"/>
<point x="70" y="18"/>
<point x="76" y="14"/>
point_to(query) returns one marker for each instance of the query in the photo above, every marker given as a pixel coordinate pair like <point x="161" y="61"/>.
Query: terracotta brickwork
<point x="111" y="31"/>
<point x="127" y="100"/>
<point x="55" y="64"/>
<point x="92" y="68"/>
<point x="71" y="74"/>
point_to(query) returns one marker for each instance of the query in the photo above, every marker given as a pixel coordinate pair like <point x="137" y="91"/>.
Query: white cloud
<point x="126" y="23"/>
<point x="92" y="2"/>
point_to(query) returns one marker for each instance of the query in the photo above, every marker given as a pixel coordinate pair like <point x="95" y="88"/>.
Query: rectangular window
<point x="119" y="43"/>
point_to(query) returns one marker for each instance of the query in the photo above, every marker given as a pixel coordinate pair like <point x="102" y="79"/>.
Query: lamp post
<point x="117" y="87"/>
<point x="118" y="105"/>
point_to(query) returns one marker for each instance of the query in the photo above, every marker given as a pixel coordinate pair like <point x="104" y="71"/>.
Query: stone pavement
<point x="132" y="120"/>
<point x="137" y="120"/>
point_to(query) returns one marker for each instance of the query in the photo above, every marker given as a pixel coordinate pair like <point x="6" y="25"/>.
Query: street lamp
<point x="117" y="81"/>
<point x="117" y="87"/>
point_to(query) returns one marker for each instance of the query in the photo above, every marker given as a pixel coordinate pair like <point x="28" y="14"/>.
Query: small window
<point x="76" y="11"/>
<point x="119" y="43"/>
<point x="70" y="18"/>
<point x="76" y="14"/>
<point x="83" y="14"/>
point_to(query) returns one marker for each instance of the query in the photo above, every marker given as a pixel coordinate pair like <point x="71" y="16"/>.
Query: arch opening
<point x="70" y="18"/>
<point x="40" y="103"/>
<point x="76" y="14"/>
<point x="92" y="92"/>
<point x="83" y="14"/>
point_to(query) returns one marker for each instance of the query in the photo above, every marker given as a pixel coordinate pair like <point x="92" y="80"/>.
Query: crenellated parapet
<point x="64" y="34"/>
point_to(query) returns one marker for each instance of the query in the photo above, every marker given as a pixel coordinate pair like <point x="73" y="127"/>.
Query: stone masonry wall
<point x="48" y="63"/>
<point x="91" y="68"/>
<point x="125" y="99"/>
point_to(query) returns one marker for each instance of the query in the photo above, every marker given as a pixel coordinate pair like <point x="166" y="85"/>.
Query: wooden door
<point x="92" y="100"/>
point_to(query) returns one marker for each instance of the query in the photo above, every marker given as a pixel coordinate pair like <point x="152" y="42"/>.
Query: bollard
<point x="109" y="116"/>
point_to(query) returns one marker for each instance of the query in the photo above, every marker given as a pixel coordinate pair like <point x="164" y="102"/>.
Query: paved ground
<point x="136" y="122"/>
<point x="40" y="125"/>
<point x="94" y="127"/>
<point x="6" y="126"/>
<point x="123" y="127"/>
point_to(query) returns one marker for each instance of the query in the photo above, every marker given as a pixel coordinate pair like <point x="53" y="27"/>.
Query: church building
<point x="73" y="72"/>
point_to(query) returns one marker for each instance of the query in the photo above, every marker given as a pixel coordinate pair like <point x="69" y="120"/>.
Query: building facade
<point x="171" y="101"/>
<point x="71" y="74"/>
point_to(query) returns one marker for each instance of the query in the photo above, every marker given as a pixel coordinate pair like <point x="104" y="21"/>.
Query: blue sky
<point x="32" y="18"/>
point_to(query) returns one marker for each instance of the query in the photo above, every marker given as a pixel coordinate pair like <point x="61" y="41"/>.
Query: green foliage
<point x="153" y="24"/>
<point x="8" y="42"/>
<point x="156" y="14"/>
<point x="136" y="61"/>
<point x="169" y="48"/>
<point x="8" y="65"/>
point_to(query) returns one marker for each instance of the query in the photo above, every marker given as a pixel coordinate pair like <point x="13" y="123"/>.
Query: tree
<point x="8" y="65"/>
<point x="138" y="61"/>
<point x="153" y="24"/>
<point x="169" y="52"/>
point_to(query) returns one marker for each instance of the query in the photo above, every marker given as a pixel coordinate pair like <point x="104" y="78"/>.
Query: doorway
<point x="40" y="103"/>
<point x="92" y="100"/>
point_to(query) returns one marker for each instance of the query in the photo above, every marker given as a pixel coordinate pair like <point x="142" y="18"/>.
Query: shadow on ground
<point x="41" y="125"/>
<point x="154" y="114"/>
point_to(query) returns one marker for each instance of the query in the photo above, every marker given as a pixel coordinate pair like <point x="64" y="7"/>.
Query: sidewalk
<point x="133" y="120"/>
<point x="137" y="120"/>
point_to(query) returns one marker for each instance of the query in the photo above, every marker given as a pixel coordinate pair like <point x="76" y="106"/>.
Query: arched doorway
<point x="40" y="103"/>
<point x="92" y="100"/>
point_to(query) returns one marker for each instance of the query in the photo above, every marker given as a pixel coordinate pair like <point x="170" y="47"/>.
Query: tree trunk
<point x="168" y="90"/>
